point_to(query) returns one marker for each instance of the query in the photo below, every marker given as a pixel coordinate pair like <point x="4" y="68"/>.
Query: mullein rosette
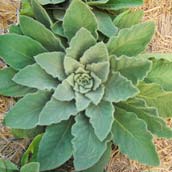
<point x="83" y="91"/>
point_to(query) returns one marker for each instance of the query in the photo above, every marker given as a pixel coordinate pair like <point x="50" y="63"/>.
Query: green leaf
<point x="154" y="123"/>
<point x="120" y="4"/>
<point x="40" y="14"/>
<point x="21" y="47"/>
<point x="15" y="29"/>
<point x="31" y="153"/>
<point x="101" y="114"/>
<point x="35" y="77"/>
<point x="134" y="69"/>
<point x="94" y="3"/>
<point x="96" y="54"/>
<point x="131" y="41"/>
<point x="105" y="24"/>
<point x="7" y="166"/>
<point x="87" y="148"/>
<point x="81" y="101"/>
<point x="57" y="29"/>
<point x="118" y="88"/>
<point x="26" y="8"/>
<point x="79" y="15"/>
<point x="45" y="2"/>
<point x="58" y="14"/>
<point x="59" y="111"/>
<point x="99" y="167"/>
<point x="96" y="95"/>
<point x="128" y="18"/>
<point x="157" y="56"/>
<point x="25" y="114"/>
<point x="9" y="87"/>
<point x="31" y="167"/>
<point x="64" y="92"/>
<point x="55" y="147"/>
<point x="40" y="33"/>
<point x="155" y="96"/>
<point x="52" y="63"/>
<point x="30" y="133"/>
<point x="133" y="138"/>
<point x="80" y="43"/>
<point x="161" y="74"/>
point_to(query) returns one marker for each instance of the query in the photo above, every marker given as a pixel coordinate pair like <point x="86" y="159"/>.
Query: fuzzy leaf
<point x="105" y="24"/>
<point x="64" y="92"/>
<point x="79" y="15"/>
<point x="52" y="63"/>
<point x="96" y="95"/>
<point x="95" y="54"/>
<point x="55" y="147"/>
<point x="155" y="96"/>
<point x="21" y="47"/>
<point x="81" y="101"/>
<point x="131" y="41"/>
<point x="130" y="133"/>
<point x="15" y="29"/>
<point x="36" y="78"/>
<point x="118" y="88"/>
<point x="86" y="153"/>
<point x="99" y="167"/>
<point x="82" y="40"/>
<point x="154" y="123"/>
<point x="26" y="8"/>
<point x="25" y="114"/>
<point x="40" y="14"/>
<point x="31" y="167"/>
<point x="9" y="87"/>
<point x="57" y="29"/>
<point x="56" y="111"/>
<point x="30" y="154"/>
<point x="128" y="18"/>
<point x="101" y="114"/>
<point x="156" y="56"/>
<point x="45" y="2"/>
<point x="40" y="33"/>
<point x="93" y="2"/>
<point x="7" y="166"/>
<point x="120" y="4"/>
<point x="129" y="67"/>
<point x="161" y="74"/>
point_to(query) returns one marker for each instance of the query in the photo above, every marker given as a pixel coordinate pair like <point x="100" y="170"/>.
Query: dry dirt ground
<point x="159" y="11"/>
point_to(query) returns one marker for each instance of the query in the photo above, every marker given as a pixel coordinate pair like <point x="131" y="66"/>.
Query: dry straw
<point x="159" y="11"/>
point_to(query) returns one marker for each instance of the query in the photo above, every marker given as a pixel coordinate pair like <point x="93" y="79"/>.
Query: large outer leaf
<point x="35" y="77"/>
<point x="40" y="33"/>
<point x="40" y="13"/>
<point x="120" y="4"/>
<point x="87" y="148"/>
<point x="101" y="118"/>
<point x="157" y="56"/>
<point x="9" y="87"/>
<point x="154" y="123"/>
<point x="105" y="24"/>
<point x="31" y="167"/>
<point x="128" y="18"/>
<point x="7" y="166"/>
<point x="118" y="88"/>
<point x="79" y="15"/>
<point x="56" y="111"/>
<point x="135" y="69"/>
<point x="161" y="73"/>
<point x="52" y="63"/>
<point x="55" y="147"/>
<point x="18" y="50"/>
<point x="133" y="138"/>
<point x="155" y="96"/>
<point x="25" y="114"/>
<point x="131" y="41"/>
<point x="99" y="167"/>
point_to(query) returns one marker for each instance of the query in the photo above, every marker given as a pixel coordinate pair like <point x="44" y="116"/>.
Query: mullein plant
<point x="82" y="83"/>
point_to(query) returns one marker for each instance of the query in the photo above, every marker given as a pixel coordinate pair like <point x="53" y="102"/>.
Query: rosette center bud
<point x="83" y="81"/>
